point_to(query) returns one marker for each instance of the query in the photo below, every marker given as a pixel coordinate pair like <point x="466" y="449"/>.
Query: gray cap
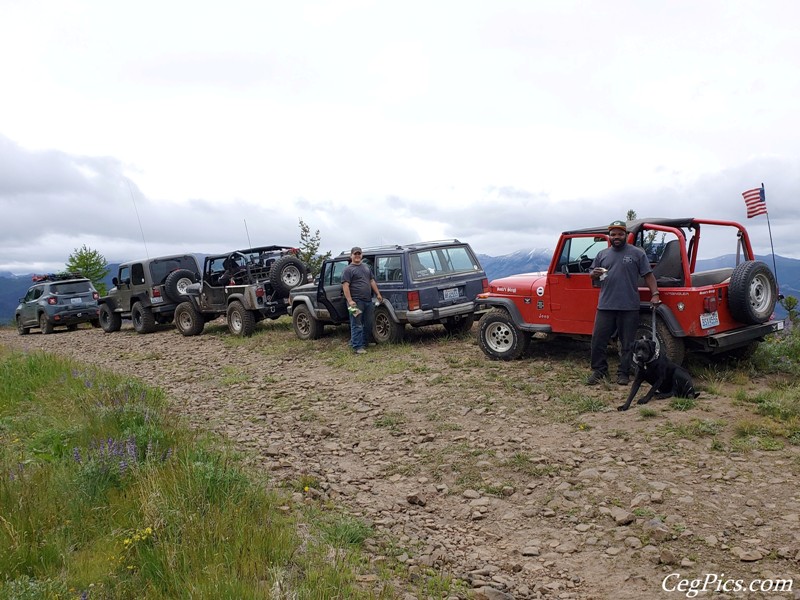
<point x="355" y="249"/>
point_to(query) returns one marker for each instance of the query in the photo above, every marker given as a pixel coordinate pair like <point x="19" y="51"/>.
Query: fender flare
<point x="298" y="300"/>
<point x="666" y="314"/>
<point x="509" y="305"/>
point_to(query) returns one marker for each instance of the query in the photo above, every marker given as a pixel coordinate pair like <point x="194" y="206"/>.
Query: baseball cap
<point x="618" y="225"/>
<point x="355" y="249"/>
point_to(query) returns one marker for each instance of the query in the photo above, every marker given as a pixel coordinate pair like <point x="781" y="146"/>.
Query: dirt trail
<point x="479" y="468"/>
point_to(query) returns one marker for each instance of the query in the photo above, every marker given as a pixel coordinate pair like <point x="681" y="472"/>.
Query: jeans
<point x="625" y="323"/>
<point x="361" y="326"/>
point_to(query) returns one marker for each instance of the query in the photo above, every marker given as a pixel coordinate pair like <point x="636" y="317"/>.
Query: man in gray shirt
<point x="618" y="268"/>
<point x="358" y="283"/>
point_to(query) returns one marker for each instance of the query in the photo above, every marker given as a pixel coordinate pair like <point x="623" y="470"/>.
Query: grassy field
<point x="103" y="494"/>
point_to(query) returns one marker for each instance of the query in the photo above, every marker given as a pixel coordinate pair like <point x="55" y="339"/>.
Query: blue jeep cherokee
<point x="422" y="284"/>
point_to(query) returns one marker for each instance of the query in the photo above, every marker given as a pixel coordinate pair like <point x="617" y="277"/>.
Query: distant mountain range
<point x="13" y="287"/>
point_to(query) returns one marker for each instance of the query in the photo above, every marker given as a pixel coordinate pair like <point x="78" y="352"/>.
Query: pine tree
<point x="309" y="249"/>
<point x="91" y="264"/>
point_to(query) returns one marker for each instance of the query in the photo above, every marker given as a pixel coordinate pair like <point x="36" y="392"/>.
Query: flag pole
<point x="772" y="247"/>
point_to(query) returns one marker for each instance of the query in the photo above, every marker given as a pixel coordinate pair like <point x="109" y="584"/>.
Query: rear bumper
<point x="73" y="317"/>
<point x="729" y="340"/>
<point x="423" y="317"/>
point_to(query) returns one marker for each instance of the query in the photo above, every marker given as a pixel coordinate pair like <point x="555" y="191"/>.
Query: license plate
<point x="156" y="300"/>
<point x="450" y="294"/>
<point x="76" y="300"/>
<point x="708" y="320"/>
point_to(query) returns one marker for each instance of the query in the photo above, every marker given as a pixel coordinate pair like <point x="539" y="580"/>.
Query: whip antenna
<point x="136" y="210"/>
<point x="249" y="245"/>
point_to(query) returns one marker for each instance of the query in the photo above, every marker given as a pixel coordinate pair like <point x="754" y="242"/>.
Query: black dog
<point x="665" y="377"/>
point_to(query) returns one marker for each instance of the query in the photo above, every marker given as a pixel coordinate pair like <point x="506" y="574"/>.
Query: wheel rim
<point x="291" y="276"/>
<point x="136" y="317"/>
<point x="236" y="321"/>
<point x="185" y="320"/>
<point x="382" y="325"/>
<point x="183" y="283"/>
<point x="499" y="337"/>
<point x="760" y="295"/>
<point x="303" y="324"/>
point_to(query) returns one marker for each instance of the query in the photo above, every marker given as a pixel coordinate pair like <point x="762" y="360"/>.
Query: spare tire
<point x="176" y="283"/>
<point x="752" y="293"/>
<point x="287" y="273"/>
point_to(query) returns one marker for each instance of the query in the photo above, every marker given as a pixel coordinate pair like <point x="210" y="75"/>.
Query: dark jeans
<point x="606" y="322"/>
<point x="361" y="326"/>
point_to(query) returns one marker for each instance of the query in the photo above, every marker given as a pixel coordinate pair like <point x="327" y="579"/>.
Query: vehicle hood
<point x="523" y="284"/>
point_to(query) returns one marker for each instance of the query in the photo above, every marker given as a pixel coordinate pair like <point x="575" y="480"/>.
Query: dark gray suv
<point x="422" y="284"/>
<point x="148" y="291"/>
<point x="62" y="299"/>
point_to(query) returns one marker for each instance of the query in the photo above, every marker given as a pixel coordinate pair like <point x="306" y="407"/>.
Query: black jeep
<point x="246" y="286"/>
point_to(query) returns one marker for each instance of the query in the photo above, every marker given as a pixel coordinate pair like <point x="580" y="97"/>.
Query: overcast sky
<point x="500" y="123"/>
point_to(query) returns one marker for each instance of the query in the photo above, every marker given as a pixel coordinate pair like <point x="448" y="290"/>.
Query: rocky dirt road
<point x="492" y="472"/>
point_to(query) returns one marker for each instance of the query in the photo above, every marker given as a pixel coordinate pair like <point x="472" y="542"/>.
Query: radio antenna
<point x="136" y="210"/>
<point x="249" y="244"/>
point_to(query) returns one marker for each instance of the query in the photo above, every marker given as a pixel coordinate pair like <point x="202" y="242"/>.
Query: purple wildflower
<point x="123" y="466"/>
<point x="76" y="454"/>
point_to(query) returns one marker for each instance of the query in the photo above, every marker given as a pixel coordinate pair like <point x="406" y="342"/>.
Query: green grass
<point x="104" y="494"/>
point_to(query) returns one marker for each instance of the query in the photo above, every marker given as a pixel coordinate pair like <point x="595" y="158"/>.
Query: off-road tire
<point x="45" y="325"/>
<point x="21" y="329"/>
<point x="241" y="322"/>
<point x="459" y="325"/>
<point x="674" y="348"/>
<point x="188" y="321"/>
<point x="285" y="274"/>
<point x="752" y="293"/>
<point x="384" y="329"/>
<point x="142" y="318"/>
<point x="306" y="327"/>
<point x="110" y="321"/>
<point x="176" y="282"/>
<point x="499" y="337"/>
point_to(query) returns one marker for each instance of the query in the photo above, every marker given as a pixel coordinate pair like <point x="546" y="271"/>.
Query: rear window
<point x="437" y="262"/>
<point x="71" y="287"/>
<point x="159" y="269"/>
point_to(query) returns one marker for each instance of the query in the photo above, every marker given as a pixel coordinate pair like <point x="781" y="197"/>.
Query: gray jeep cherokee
<point x="422" y="284"/>
<point x="148" y="291"/>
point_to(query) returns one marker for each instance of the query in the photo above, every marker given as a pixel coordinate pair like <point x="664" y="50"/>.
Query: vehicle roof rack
<point x="401" y="246"/>
<point x="63" y="276"/>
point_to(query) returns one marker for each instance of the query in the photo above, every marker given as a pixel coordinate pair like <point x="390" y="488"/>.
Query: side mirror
<point x="565" y="270"/>
<point x="115" y="281"/>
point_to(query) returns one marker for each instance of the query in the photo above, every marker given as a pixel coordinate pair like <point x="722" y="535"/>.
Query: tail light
<point x="710" y="304"/>
<point x="156" y="293"/>
<point x="485" y="285"/>
<point x="413" y="301"/>
<point x="260" y="292"/>
<point x="95" y="296"/>
<point x="52" y="300"/>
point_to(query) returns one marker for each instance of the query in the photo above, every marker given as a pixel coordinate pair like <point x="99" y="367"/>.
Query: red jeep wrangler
<point x="725" y="309"/>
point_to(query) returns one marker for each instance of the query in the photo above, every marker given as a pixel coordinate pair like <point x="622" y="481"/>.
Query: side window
<point x="30" y="295"/>
<point x="336" y="271"/>
<point x="137" y="274"/>
<point x="388" y="268"/>
<point x="125" y="275"/>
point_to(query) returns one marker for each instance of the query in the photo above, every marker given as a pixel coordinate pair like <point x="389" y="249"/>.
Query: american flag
<point x="755" y="201"/>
